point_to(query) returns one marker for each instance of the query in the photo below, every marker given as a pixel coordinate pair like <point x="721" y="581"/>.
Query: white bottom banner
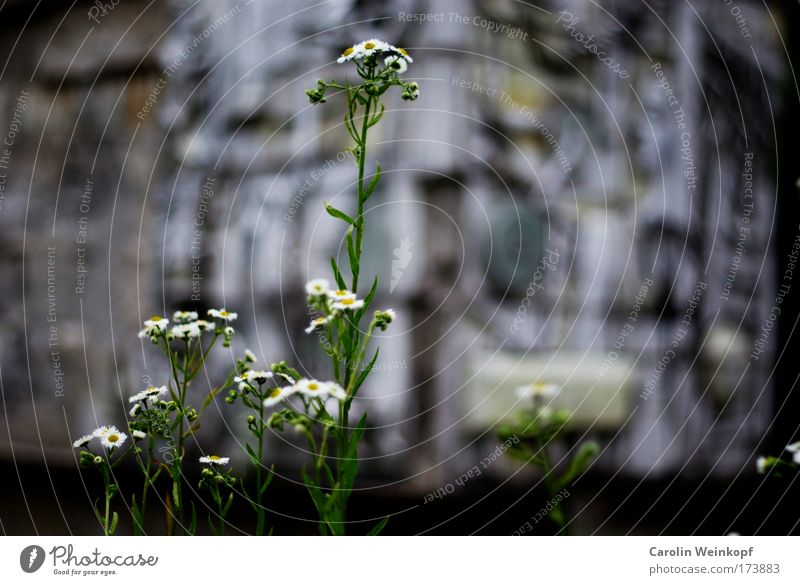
<point x="400" y="560"/>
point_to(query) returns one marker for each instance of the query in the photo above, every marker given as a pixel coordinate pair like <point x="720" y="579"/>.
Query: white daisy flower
<point x="83" y="441"/>
<point x="153" y="393"/>
<point x="403" y="53"/>
<point x="316" y="324"/>
<point x="139" y="435"/>
<point x="538" y="390"/>
<point x="101" y="432"/>
<point x="794" y="447"/>
<point x="288" y="378"/>
<point x="257" y="376"/>
<point x="260" y="376"/>
<point x="347" y="305"/>
<point x="153" y="326"/>
<point x="796" y="458"/>
<point x="138" y="397"/>
<point x="223" y="314"/>
<point x="333" y="389"/>
<point x="186" y="331"/>
<point x="311" y="388"/>
<point x="214" y="460"/>
<point x="249" y="356"/>
<point x="762" y="465"/>
<point x="340" y="295"/>
<point x="371" y="46"/>
<point x="184" y="316"/>
<point x="204" y="325"/>
<point x="396" y="63"/>
<point x="317" y="287"/>
<point x="349" y="54"/>
<point x="277" y="395"/>
<point x="137" y="408"/>
<point x="113" y="440"/>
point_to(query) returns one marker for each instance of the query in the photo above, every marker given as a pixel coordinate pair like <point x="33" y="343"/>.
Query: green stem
<point x="362" y="158"/>
<point x="259" y="496"/>
<point x="557" y="514"/>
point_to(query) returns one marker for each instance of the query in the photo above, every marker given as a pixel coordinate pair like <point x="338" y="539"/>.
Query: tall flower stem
<point x="378" y="64"/>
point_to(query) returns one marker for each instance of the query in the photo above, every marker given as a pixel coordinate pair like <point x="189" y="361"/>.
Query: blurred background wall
<point x="608" y="225"/>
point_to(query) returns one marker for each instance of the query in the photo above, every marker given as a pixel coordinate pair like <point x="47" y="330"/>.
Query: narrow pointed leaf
<point x="376" y="530"/>
<point x="333" y="212"/>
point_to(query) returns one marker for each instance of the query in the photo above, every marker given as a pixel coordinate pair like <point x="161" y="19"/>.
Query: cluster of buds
<point x="383" y="318"/>
<point x="410" y="91"/>
<point x="300" y="422"/>
<point x="212" y="474"/>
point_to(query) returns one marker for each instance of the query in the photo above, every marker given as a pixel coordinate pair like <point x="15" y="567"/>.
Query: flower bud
<point x="316" y="96"/>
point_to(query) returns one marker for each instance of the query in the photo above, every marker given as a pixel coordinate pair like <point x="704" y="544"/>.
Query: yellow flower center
<point x="113" y="438"/>
<point x="319" y="320"/>
<point x="275" y="393"/>
<point x="341" y="293"/>
<point x="313" y="386"/>
<point x="369" y="46"/>
<point x="224" y="313"/>
<point x="347" y="52"/>
<point x="214" y="457"/>
<point x="348" y="301"/>
<point x="156" y="318"/>
<point x="402" y="51"/>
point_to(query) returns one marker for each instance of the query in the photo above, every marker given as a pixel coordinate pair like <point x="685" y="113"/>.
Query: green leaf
<point x="332" y="211"/>
<point x="267" y="481"/>
<point x="193" y="523"/>
<point x="349" y="463"/>
<point x="365" y="372"/>
<point x="176" y="494"/>
<point x="358" y="433"/>
<point x="377" y="117"/>
<point x="371" y="187"/>
<point x="376" y="530"/>
<point x="114" y="520"/>
<point x="316" y="494"/>
<point x="227" y="505"/>
<point x="253" y="457"/>
<point x="337" y="274"/>
<point x="351" y="252"/>
<point x="367" y="301"/>
<point x="579" y="463"/>
<point x="329" y="473"/>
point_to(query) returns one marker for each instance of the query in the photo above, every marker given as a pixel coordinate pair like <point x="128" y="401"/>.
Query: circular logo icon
<point x="31" y="558"/>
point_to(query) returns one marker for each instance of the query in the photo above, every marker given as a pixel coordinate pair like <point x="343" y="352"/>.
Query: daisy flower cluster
<point x="396" y="58"/>
<point x="150" y="413"/>
<point x="334" y="303"/>
<point x="112" y="440"/>
<point x="188" y="326"/>
<point x="379" y="64"/>
<point x="110" y="437"/>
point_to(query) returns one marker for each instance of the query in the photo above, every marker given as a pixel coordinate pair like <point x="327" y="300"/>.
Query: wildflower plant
<point x="219" y="482"/>
<point x="320" y="410"/>
<point x="163" y="418"/>
<point x="109" y="456"/>
<point x="539" y="427"/>
<point x="256" y="391"/>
